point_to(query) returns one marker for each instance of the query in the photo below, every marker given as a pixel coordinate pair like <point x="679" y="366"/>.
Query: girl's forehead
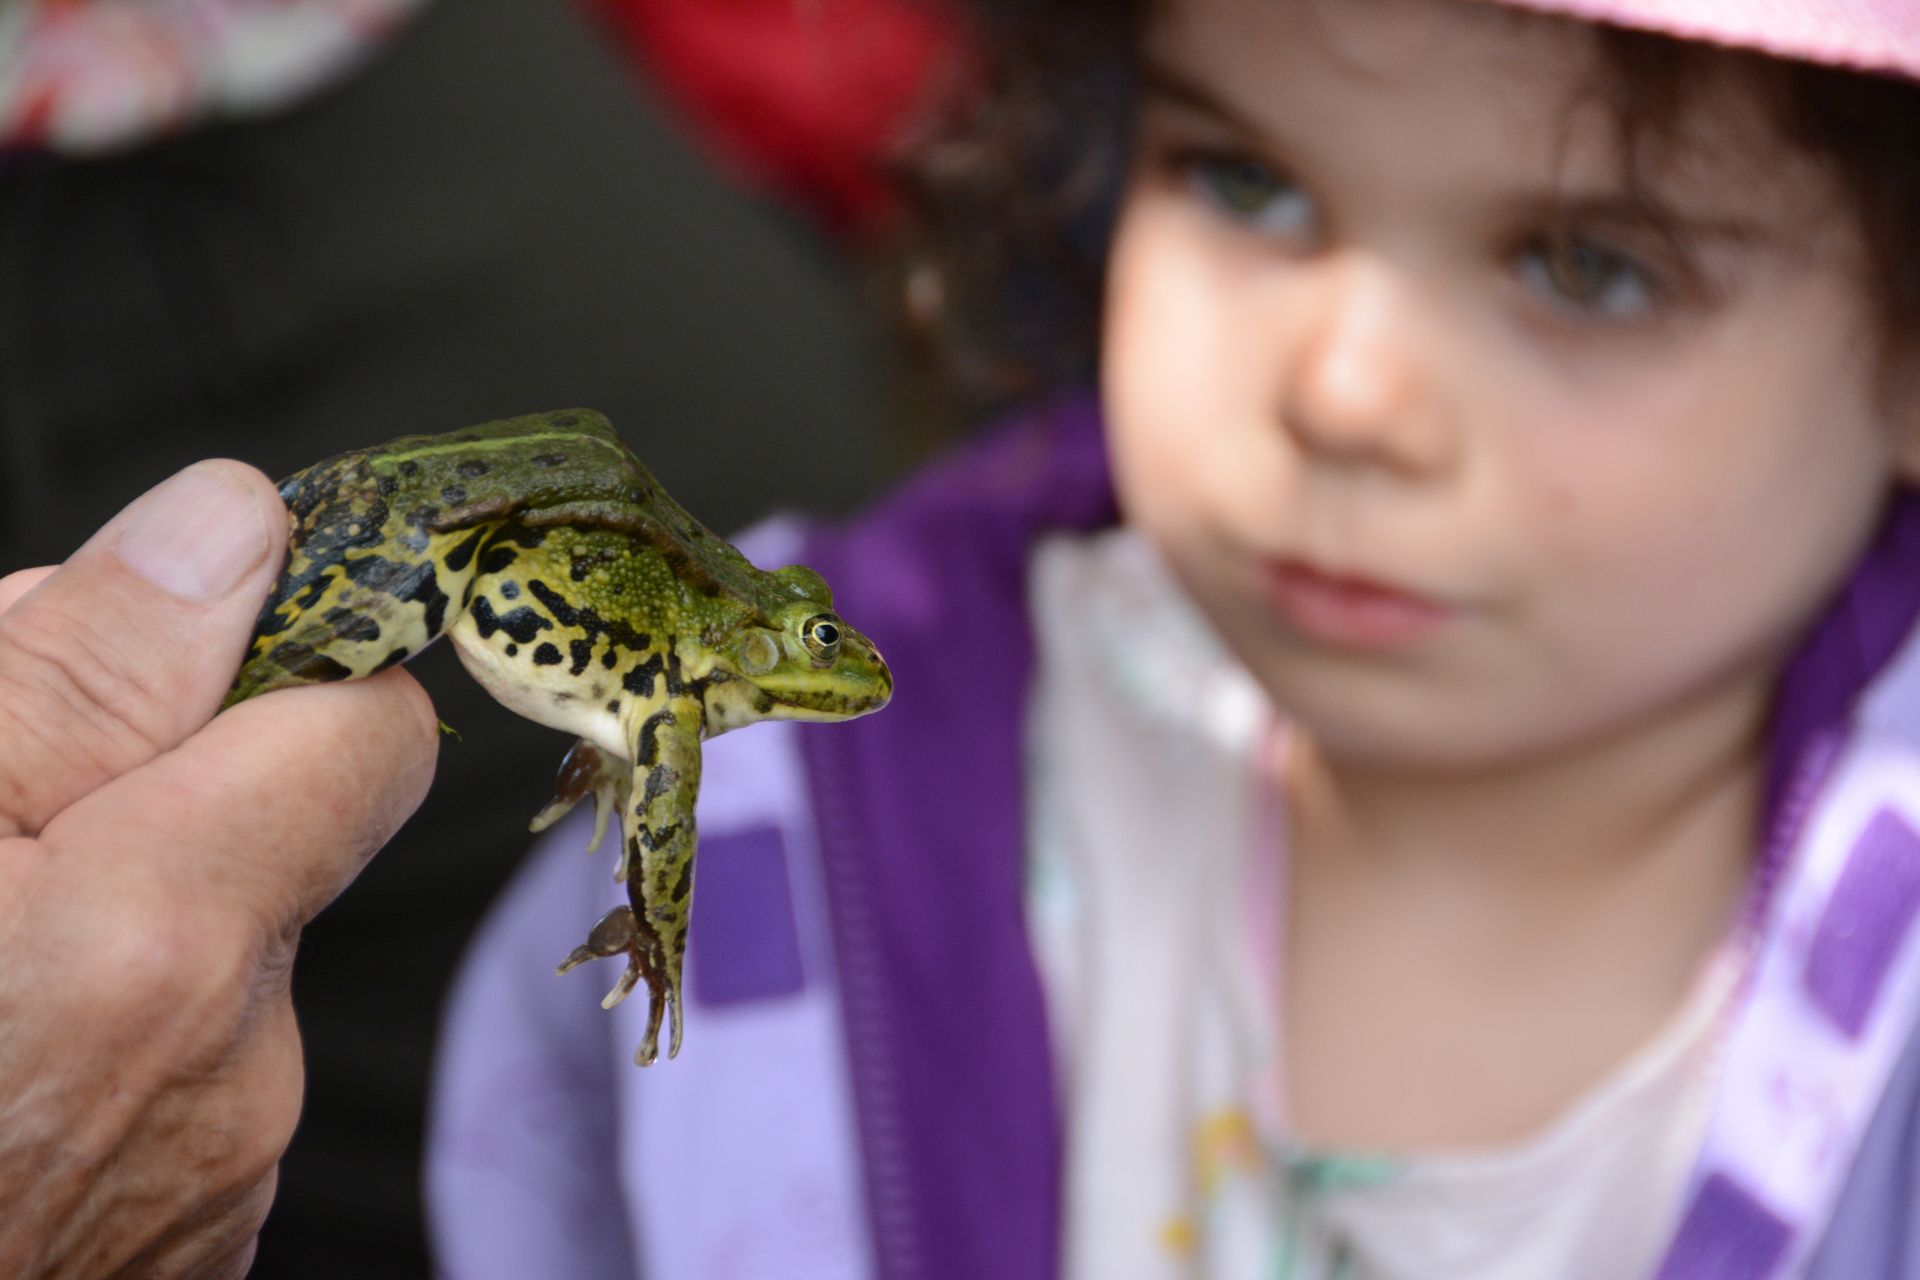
<point x="1471" y="92"/>
<point x="1385" y="36"/>
<point x="1298" y="53"/>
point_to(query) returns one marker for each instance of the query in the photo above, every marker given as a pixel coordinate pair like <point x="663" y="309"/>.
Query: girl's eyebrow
<point x="1626" y="206"/>
<point x="1159" y="80"/>
<point x="1638" y="210"/>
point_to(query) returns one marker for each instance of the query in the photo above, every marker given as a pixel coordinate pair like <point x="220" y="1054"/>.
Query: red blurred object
<point x="804" y="96"/>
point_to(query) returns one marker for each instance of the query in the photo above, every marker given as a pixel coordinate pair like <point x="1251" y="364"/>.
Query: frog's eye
<point x="822" y="634"/>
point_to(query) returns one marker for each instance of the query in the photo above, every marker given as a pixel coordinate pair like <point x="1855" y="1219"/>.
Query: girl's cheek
<point x="1141" y="370"/>
<point x="1174" y="343"/>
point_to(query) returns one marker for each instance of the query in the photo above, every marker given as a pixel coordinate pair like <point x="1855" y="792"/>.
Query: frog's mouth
<point x="838" y="702"/>
<point x="856" y="685"/>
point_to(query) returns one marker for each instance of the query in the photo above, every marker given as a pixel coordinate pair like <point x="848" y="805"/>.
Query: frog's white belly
<point x="545" y="695"/>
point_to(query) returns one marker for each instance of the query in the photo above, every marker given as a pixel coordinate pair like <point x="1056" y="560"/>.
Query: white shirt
<point x="1158" y="873"/>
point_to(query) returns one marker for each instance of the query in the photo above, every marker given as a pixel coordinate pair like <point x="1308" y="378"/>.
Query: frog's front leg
<point x="589" y="771"/>
<point x="657" y="825"/>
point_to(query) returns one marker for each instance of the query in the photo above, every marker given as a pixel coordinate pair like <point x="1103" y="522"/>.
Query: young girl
<point x="1462" y="821"/>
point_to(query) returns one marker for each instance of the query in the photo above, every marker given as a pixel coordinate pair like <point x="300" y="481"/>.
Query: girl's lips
<point x="1350" y="612"/>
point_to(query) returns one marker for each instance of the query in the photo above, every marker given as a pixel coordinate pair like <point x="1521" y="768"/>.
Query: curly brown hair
<point x="1013" y="184"/>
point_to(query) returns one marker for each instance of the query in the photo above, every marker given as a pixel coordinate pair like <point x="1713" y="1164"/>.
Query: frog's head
<point x="798" y="661"/>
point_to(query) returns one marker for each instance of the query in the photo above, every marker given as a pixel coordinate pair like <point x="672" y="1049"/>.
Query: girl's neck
<point x="1607" y="811"/>
<point x="1466" y="955"/>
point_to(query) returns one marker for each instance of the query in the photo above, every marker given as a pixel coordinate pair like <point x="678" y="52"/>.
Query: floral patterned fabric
<point x="87" y="76"/>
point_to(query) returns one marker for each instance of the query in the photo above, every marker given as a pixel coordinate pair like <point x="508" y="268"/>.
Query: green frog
<point x="583" y="597"/>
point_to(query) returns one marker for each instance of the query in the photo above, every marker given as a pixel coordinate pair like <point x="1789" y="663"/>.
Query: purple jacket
<point x="866" y="1087"/>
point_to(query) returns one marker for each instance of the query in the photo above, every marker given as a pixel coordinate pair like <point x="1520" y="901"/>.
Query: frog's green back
<point x="536" y="462"/>
<point x="567" y="467"/>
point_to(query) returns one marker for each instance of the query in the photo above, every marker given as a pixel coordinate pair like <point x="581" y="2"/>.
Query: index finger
<point x="272" y="808"/>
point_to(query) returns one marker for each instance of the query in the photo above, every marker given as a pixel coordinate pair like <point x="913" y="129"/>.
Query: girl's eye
<point x="1251" y="192"/>
<point x="1588" y="278"/>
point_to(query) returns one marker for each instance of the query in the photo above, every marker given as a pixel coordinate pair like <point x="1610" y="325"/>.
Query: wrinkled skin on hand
<point x="156" y="867"/>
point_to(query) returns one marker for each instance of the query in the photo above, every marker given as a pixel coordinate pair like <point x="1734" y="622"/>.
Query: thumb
<point x="126" y="649"/>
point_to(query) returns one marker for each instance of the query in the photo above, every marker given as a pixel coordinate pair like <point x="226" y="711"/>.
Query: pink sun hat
<point x="1866" y="35"/>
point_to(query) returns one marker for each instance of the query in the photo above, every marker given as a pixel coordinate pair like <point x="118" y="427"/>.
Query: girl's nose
<point x="1358" y="387"/>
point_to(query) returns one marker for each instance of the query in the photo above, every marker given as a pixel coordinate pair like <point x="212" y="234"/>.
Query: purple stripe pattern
<point x="1865" y="921"/>
<point x="1852" y="643"/>
<point x="744" y="943"/>
<point x="922" y="840"/>
<point x="1726" y="1234"/>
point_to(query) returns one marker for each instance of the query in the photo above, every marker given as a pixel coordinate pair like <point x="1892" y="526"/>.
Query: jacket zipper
<point x="863" y="1001"/>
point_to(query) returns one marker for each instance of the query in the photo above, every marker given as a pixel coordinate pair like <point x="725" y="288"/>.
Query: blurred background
<point x="273" y="232"/>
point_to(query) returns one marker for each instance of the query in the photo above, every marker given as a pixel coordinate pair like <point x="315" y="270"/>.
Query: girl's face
<point x="1469" y="446"/>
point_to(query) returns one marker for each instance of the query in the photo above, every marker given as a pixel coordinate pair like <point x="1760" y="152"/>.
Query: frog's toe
<point x="658" y="1004"/>
<point x="617" y="933"/>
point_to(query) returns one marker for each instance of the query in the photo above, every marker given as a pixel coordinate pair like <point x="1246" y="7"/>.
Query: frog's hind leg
<point x="339" y="614"/>
<point x="658" y="834"/>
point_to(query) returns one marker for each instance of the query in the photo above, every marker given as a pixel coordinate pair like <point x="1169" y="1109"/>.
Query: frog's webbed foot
<point x="587" y="770"/>
<point x="618" y="933"/>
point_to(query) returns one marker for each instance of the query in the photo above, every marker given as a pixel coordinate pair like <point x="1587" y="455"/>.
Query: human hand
<point x="156" y="867"/>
